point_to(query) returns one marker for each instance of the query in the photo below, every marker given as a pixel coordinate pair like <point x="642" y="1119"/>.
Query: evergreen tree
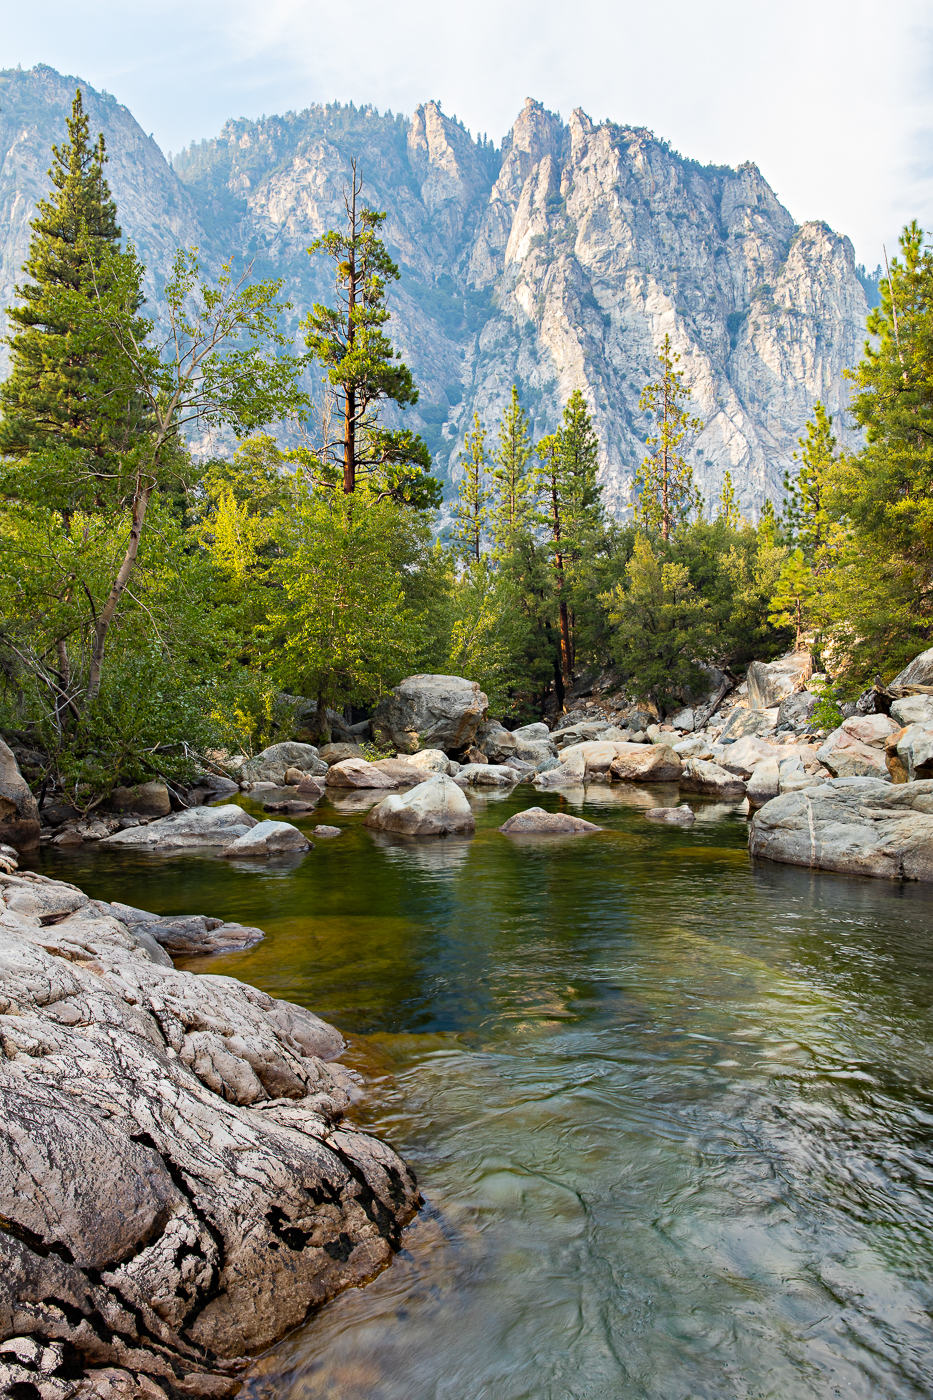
<point x="729" y="505"/>
<point x="571" y="508"/>
<point x="59" y="394"/>
<point x="664" y="480"/>
<point x="798" y="597"/>
<point x="805" y="513"/>
<point x="512" y="509"/>
<point x="364" y="370"/>
<point x="471" y="513"/>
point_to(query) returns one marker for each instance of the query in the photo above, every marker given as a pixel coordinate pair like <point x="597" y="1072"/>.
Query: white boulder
<point x="436" y="807"/>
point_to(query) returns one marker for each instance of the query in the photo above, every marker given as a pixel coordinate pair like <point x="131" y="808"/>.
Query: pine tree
<point x="729" y="504"/>
<point x="55" y="395"/>
<point x="571" y="507"/>
<point x="512" y="510"/>
<point x="805" y="514"/>
<point x="471" y="513"/>
<point x="364" y="370"/>
<point x="664" y="480"/>
<point x="798" y="598"/>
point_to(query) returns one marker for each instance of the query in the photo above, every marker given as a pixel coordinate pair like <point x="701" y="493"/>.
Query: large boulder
<point x="273" y="763"/>
<point x="872" y="730"/>
<point x="19" y="811"/>
<point x="210" y="828"/>
<point x="433" y="808"/>
<point x="148" y="799"/>
<point x="742" y="723"/>
<point x="357" y="773"/>
<point x="402" y="770"/>
<point x="858" y="826"/>
<point x="847" y="757"/>
<point x="535" y="733"/>
<point x="535" y="820"/>
<point x="764" y="783"/>
<point x="918" y="672"/>
<point x="427" y="711"/>
<point x="269" y="838"/>
<point x="913" y="709"/>
<point x="909" y="753"/>
<point x="177" y="1190"/>
<point x="497" y="742"/>
<point x="701" y="776"/>
<point x="796" y="710"/>
<point x="431" y="761"/>
<point x="339" y="752"/>
<point x="769" y="682"/>
<point x="645" y="763"/>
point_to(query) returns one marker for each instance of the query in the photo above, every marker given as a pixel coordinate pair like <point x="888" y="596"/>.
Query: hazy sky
<point x="833" y="99"/>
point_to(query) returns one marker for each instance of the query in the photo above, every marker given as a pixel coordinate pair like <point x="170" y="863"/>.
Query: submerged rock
<point x="208" y="827"/>
<point x="433" y="808"/>
<point x="676" y="816"/>
<point x="537" y="820"/>
<point x="176" y="1188"/>
<point x="858" y="826"/>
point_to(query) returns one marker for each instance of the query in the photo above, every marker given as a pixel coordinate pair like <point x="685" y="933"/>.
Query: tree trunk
<point x="106" y="616"/>
<point x="349" y="444"/>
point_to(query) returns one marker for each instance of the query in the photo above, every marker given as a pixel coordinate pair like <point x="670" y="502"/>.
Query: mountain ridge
<point x="557" y="261"/>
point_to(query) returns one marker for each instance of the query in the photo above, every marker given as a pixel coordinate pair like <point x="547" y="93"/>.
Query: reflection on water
<point x="671" y="1110"/>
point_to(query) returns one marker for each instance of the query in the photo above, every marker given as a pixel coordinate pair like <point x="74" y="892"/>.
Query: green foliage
<point x="662" y="625"/>
<point x="60" y="392"/>
<point x="340" y="623"/>
<point x="364" y="371"/>
<point x="513" y="501"/>
<point x="666" y="497"/>
<point x="471" y="513"/>
<point x="826" y="712"/>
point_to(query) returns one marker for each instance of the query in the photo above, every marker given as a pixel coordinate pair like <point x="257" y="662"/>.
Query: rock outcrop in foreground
<point x="857" y="826"/>
<point x="175" y="1190"/>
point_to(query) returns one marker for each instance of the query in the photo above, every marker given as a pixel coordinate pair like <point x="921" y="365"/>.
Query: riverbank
<point x="177" y="1189"/>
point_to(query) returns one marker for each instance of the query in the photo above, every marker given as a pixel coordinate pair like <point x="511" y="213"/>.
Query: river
<point x="671" y="1111"/>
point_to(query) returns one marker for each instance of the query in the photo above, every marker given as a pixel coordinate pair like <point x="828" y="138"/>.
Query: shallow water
<point x="672" y="1112"/>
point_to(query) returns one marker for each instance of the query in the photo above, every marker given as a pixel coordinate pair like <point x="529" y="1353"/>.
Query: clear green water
<point x="671" y="1112"/>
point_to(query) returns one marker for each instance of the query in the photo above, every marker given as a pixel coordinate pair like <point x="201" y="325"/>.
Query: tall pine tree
<point x="512" y="508"/>
<point x="664" y="480"/>
<point x="571" y="509"/>
<point x="471" y="513"/>
<point x="56" y="395"/>
<point x="364" y="370"/>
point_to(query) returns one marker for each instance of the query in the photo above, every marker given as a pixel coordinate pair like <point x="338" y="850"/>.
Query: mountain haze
<point x="558" y="260"/>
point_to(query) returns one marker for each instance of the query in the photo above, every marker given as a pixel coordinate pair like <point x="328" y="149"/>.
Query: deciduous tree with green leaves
<point x="364" y="371"/>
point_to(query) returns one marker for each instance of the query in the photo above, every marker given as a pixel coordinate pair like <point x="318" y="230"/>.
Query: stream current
<point x="671" y="1111"/>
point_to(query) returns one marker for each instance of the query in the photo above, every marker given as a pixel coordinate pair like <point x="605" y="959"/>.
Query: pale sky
<point x="833" y="99"/>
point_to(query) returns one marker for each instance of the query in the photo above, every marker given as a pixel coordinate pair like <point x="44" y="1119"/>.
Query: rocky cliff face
<point x="557" y="262"/>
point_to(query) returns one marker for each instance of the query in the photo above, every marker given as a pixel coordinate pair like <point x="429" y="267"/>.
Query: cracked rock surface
<point x="176" y="1190"/>
<point x="857" y="826"/>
